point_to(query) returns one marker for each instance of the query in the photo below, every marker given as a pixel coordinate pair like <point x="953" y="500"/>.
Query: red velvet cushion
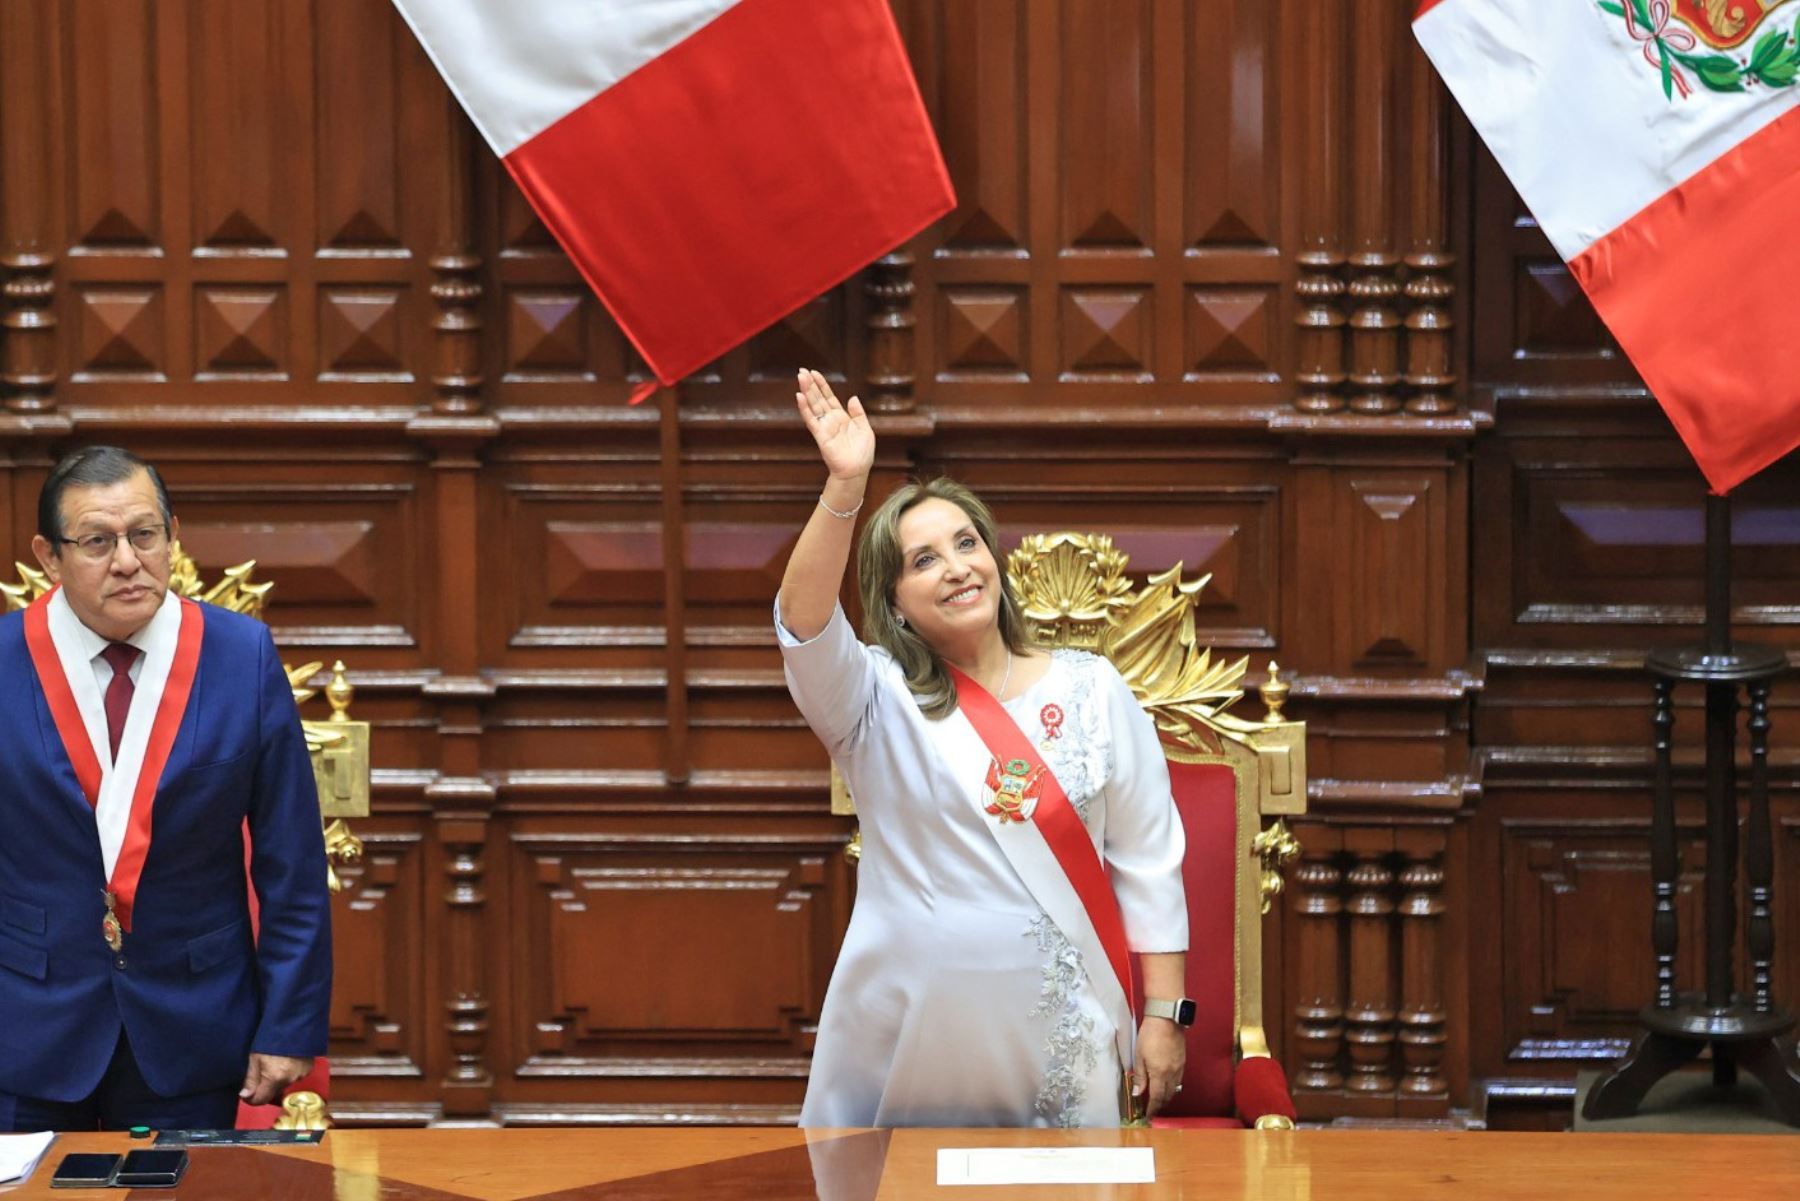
<point x="1206" y="797"/>
<point x="1262" y="1089"/>
<point x="1162" y="1123"/>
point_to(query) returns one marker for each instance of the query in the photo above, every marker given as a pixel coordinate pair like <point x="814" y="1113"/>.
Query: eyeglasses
<point x="146" y="540"/>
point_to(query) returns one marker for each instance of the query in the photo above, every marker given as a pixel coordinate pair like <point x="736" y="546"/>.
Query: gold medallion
<point x="109" y="925"/>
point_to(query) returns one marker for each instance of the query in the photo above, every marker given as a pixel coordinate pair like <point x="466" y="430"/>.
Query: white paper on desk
<point x="19" y="1154"/>
<point x="1046" y="1165"/>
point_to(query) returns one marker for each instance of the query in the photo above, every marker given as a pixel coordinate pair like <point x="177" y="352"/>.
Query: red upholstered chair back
<point x="1206" y="797"/>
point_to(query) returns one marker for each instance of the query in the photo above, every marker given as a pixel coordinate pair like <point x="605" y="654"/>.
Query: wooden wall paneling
<point x="1233" y="223"/>
<point x="32" y="141"/>
<point x="343" y="556"/>
<point x="1315" y="964"/>
<point x="252" y="280"/>
<point x="1533" y="324"/>
<point x="1423" y="1020"/>
<point x="1374" y="290"/>
<point x="1374" y="968"/>
<point x="1121" y="208"/>
<point x="973" y="287"/>
<point x="1786" y="906"/>
<point x="608" y="1021"/>
<point x="1372" y="995"/>
<point x="1597" y="542"/>
<point x="116" y="205"/>
<point x="676" y="761"/>
<point x="1577" y="931"/>
<point x="455" y="431"/>
<point x="580" y="582"/>
<point x="1321" y="364"/>
<point x="1162" y="507"/>
<point x="381" y="1022"/>
<point x="1429" y="377"/>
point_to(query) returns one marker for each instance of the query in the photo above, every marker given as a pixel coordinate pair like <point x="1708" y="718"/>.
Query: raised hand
<point x="846" y="442"/>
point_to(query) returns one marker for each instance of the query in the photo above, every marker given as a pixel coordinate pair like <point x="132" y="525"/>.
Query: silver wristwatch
<point x="1180" y="1012"/>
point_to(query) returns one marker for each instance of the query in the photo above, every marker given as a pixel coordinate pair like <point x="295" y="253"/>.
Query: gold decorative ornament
<point x="1275" y="847"/>
<point x="1274" y="693"/>
<point x="1068" y="586"/>
<point x="303" y="1111"/>
<point x="32" y="584"/>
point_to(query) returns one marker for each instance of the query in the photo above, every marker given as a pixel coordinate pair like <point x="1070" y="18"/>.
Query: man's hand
<point x="269" y="1074"/>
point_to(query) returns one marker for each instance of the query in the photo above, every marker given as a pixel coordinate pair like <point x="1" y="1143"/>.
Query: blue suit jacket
<point x="194" y="991"/>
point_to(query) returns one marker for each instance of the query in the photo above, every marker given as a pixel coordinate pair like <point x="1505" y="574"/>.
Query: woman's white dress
<point x="957" y="1000"/>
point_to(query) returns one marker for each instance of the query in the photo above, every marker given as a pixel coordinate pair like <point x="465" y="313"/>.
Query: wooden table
<point x="783" y="1164"/>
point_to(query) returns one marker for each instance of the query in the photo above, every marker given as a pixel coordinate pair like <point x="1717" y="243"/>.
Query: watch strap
<point x="1171" y="1010"/>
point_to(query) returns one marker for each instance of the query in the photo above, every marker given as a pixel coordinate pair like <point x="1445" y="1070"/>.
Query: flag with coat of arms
<point x="1657" y="144"/>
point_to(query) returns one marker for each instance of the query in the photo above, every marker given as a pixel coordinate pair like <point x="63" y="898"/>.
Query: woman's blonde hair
<point x="879" y="562"/>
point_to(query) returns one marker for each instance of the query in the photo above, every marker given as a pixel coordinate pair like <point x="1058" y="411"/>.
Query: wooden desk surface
<point x="783" y="1164"/>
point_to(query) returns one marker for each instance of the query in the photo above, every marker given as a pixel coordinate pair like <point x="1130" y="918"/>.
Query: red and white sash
<point x="122" y="793"/>
<point x="1053" y="853"/>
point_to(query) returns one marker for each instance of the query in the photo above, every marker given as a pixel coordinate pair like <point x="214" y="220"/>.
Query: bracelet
<point x="842" y="516"/>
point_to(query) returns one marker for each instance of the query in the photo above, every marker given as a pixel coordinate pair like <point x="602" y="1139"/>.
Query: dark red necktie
<point x="120" y="657"/>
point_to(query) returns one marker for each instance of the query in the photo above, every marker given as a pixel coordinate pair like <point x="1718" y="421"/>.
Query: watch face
<point x="1184" y="1012"/>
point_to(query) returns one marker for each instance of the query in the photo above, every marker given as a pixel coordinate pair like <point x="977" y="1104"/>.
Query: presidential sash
<point x="1017" y="759"/>
<point x="121" y="794"/>
<point x="1026" y="798"/>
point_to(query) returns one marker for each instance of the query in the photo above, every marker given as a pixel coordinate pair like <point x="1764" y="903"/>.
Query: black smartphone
<point x="151" y="1169"/>
<point x="85" y="1169"/>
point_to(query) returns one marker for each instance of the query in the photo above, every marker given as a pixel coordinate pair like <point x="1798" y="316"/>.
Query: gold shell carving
<point x="1074" y="592"/>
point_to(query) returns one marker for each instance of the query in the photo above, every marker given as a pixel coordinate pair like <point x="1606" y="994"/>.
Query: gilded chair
<point x="1229" y="774"/>
<point x="340" y="758"/>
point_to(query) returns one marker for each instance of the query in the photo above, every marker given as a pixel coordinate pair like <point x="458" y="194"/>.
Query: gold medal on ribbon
<point x="109" y="925"/>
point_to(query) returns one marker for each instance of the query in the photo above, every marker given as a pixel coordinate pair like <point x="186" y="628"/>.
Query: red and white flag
<point x="1657" y="142"/>
<point x="708" y="165"/>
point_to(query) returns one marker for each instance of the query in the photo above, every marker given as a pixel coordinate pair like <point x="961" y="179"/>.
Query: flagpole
<point x="1743" y="1031"/>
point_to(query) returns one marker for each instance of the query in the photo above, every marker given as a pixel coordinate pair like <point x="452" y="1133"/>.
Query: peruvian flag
<point x="708" y="165"/>
<point x="1657" y="142"/>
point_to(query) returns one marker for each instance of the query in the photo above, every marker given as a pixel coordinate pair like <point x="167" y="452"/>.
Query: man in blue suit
<point x="143" y="733"/>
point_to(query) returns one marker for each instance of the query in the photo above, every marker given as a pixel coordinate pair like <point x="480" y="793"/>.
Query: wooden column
<point x="1369" y="1015"/>
<point x="891" y="322"/>
<point x="1319" y="370"/>
<point x="674" y="549"/>
<point x="1319" y="962"/>
<point x="1422" y="1016"/>
<point x="1374" y="283"/>
<point x="1429" y="289"/>
<point x="28" y="187"/>
<point x="454" y="430"/>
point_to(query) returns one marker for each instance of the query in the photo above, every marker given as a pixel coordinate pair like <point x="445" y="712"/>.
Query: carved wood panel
<point x="1121" y="216"/>
<point x="381" y="1024"/>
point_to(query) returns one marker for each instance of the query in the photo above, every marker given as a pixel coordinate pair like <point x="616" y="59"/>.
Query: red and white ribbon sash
<point x="1058" y="822"/>
<point x="137" y="775"/>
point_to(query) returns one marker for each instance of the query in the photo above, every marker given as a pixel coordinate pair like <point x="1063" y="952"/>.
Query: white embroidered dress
<point x="957" y="1000"/>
